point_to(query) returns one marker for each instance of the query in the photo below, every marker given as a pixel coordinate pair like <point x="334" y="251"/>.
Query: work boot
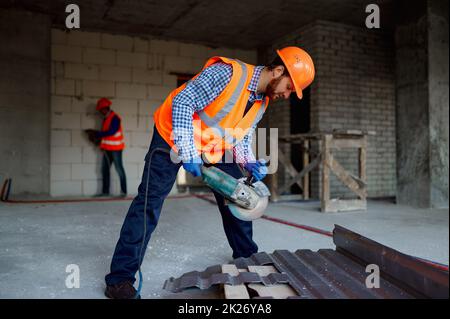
<point x="122" y="290"/>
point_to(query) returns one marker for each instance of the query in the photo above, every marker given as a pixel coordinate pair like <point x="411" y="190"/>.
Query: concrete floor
<point x="38" y="241"/>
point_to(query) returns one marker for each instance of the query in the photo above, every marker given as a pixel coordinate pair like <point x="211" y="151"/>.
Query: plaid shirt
<point x="198" y="94"/>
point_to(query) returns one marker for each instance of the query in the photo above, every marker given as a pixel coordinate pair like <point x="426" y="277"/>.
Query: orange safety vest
<point x="114" y="142"/>
<point x="221" y="124"/>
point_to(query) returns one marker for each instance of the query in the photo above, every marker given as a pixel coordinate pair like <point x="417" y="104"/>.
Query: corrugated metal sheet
<point x="336" y="274"/>
<point x="205" y="280"/>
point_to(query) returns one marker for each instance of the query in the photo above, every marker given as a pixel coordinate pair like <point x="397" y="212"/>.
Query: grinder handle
<point x="249" y="180"/>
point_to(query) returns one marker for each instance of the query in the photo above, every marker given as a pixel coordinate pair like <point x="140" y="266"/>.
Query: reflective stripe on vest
<point x="230" y="139"/>
<point x="212" y="122"/>
<point x="114" y="142"/>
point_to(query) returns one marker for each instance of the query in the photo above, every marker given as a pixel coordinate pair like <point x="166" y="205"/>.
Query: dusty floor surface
<point x="38" y="241"/>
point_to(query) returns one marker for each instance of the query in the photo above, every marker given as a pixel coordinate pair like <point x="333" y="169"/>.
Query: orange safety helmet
<point x="102" y="103"/>
<point x="300" y="67"/>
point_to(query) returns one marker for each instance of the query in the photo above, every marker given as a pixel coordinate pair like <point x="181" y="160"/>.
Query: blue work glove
<point x="193" y="166"/>
<point x="258" y="169"/>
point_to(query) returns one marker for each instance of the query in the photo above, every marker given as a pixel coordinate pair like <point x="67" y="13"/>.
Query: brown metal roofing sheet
<point x="336" y="274"/>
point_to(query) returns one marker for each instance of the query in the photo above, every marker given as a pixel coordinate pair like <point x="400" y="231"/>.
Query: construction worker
<point x="191" y="122"/>
<point x="112" y="144"/>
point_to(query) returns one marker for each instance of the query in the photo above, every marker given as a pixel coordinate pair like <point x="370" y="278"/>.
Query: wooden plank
<point x="297" y="178"/>
<point x="282" y="291"/>
<point x="279" y="291"/>
<point x="305" y="163"/>
<point x="301" y="137"/>
<point x="342" y="205"/>
<point x="340" y="131"/>
<point x="263" y="270"/>
<point x="234" y="292"/>
<point x="273" y="178"/>
<point x="363" y="160"/>
<point x="287" y="163"/>
<point x="340" y="143"/>
<point x="358" y="180"/>
<point x="353" y="132"/>
<point x="289" y="168"/>
<point x="345" y="177"/>
<point x="325" y="196"/>
<point x="273" y="186"/>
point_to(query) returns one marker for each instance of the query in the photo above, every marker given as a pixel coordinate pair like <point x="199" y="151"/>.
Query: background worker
<point x="111" y="142"/>
<point x="226" y="94"/>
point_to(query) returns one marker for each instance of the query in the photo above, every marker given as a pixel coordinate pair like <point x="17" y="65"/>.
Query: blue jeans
<point x="126" y="259"/>
<point x="115" y="157"/>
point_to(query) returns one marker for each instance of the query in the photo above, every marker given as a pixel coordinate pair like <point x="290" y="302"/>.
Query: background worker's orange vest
<point x="221" y="124"/>
<point x="114" y="142"/>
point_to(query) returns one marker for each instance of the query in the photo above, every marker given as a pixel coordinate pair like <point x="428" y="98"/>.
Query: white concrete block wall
<point x="136" y="74"/>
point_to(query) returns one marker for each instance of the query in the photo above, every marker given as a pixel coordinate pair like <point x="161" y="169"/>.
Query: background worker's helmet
<point x="102" y="103"/>
<point x="300" y="67"/>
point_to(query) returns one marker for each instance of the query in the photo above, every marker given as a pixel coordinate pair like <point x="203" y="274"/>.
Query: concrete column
<point x="25" y="100"/>
<point x="422" y="72"/>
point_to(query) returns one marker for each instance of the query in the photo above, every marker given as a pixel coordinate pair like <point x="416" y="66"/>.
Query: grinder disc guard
<point x="248" y="202"/>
